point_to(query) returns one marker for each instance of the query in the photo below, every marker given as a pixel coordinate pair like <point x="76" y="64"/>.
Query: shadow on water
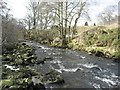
<point x="78" y="69"/>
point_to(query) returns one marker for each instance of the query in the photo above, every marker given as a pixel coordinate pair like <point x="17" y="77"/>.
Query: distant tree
<point x="86" y="23"/>
<point x="11" y="28"/>
<point x="107" y="15"/>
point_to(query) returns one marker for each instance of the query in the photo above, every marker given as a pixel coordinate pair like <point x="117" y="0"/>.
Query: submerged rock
<point x="47" y="58"/>
<point x="37" y="79"/>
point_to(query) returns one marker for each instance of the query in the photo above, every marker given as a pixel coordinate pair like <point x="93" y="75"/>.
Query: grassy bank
<point x="100" y="42"/>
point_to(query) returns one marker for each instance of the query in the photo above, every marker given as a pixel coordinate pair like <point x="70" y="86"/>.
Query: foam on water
<point x="43" y="47"/>
<point x="82" y="57"/>
<point x="111" y="64"/>
<point x="55" y="61"/>
<point x="113" y="75"/>
<point x="95" y="85"/>
<point x="11" y="67"/>
<point x="87" y="65"/>
<point x="108" y="81"/>
<point x="62" y="68"/>
<point x="67" y="70"/>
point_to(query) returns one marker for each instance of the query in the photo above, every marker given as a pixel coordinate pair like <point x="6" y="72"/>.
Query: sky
<point x="19" y="10"/>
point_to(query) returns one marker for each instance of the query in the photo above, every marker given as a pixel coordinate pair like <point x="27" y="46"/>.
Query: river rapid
<point x="78" y="69"/>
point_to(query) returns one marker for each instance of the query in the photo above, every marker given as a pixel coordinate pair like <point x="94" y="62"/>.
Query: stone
<point x="99" y="54"/>
<point x="52" y="77"/>
<point x="6" y="83"/>
<point x="47" y="58"/>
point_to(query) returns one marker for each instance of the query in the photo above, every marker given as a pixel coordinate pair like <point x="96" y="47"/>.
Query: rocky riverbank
<point x="16" y="74"/>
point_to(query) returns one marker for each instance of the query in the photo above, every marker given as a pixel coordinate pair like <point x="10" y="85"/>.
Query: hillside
<point x="97" y="40"/>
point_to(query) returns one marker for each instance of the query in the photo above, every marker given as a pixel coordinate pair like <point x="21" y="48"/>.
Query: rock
<point x="19" y="62"/>
<point x="39" y="87"/>
<point x="14" y="87"/>
<point x="29" y="54"/>
<point x="52" y="77"/>
<point x="39" y="47"/>
<point x="24" y="44"/>
<point x="89" y="53"/>
<point x="117" y="59"/>
<point x="99" y="54"/>
<point x="26" y="73"/>
<point x="5" y="59"/>
<point x="37" y="80"/>
<point x="47" y="58"/>
<point x="6" y="83"/>
<point x="40" y="62"/>
<point x="57" y="42"/>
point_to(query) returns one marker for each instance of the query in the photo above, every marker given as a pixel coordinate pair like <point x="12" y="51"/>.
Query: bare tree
<point x="62" y="14"/>
<point x="11" y="29"/>
<point x="33" y="10"/>
<point x="67" y="14"/>
<point x="107" y="15"/>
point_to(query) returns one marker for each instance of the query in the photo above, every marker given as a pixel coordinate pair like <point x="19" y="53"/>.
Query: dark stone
<point x="5" y="59"/>
<point x="36" y="87"/>
<point x="117" y="59"/>
<point x="24" y="44"/>
<point x="30" y="54"/>
<point x="99" y="54"/>
<point x="40" y="62"/>
<point x="47" y="58"/>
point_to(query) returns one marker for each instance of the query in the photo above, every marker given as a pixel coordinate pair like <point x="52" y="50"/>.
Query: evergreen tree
<point x="94" y="24"/>
<point x="86" y="23"/>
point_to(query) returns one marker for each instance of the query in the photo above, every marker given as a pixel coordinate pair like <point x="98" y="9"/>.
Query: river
<point x="78" y="69"/>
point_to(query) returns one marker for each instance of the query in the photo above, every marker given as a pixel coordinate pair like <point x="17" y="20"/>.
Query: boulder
<point x="99" y="54"/>
<point x="52" y="77"/>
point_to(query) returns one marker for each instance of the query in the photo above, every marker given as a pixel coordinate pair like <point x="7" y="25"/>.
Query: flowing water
<point x="78" y="69"/>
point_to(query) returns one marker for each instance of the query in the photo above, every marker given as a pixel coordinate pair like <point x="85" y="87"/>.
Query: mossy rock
<point x="6" y="83"/>
<point x="99" y="54"/>
<point x="15" y="87"/>
<point x="40" y="62"/>
<point x="37" y="79"/>
<point x="25" y="74"/>
<point x="52" y="77"/>
<point x="18" y="84"/>
<point x="18" y="62"/>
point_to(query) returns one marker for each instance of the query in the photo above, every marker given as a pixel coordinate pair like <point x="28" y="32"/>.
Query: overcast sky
<point x="19" y="7"/>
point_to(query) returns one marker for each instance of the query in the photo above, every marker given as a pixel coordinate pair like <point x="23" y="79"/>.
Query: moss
<point x="45" y="41"/>
<point x="52" y="77"/>
<point x="117" y="53"/>
<point x="15" y="87"/>
<point x="7" y="82"/>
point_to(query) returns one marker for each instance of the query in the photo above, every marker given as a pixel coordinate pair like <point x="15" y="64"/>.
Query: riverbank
<point x="75" y="65"/>
<point x="16" y="73"/>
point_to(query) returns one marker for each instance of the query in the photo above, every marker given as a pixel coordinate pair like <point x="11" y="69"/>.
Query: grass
<point x="94" y="39"/>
